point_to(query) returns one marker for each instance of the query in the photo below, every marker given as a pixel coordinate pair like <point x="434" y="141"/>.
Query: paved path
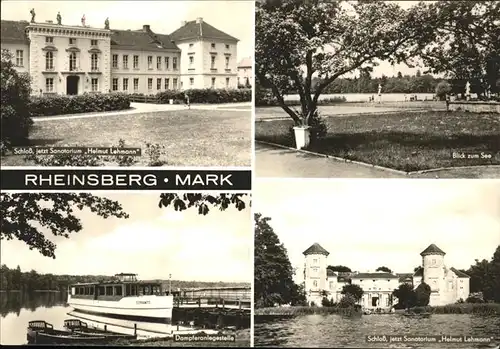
<point x="278" y="162"/>
<point x="138" y="108"/>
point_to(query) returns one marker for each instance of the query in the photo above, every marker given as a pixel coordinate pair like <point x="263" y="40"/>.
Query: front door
<point x="374" y="301"/>
<point x="72" y="85"/>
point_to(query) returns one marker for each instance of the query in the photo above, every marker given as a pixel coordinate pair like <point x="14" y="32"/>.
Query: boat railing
<point x="37" y="324"/>
<point x="211" y="301"/>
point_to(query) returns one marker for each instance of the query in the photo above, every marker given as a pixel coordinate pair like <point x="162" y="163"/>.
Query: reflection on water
<point x="336" y="331"/>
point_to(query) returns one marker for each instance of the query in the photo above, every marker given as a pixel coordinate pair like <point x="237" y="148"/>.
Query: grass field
<point x="190" y="137"/>
<point x="403" y="140"/>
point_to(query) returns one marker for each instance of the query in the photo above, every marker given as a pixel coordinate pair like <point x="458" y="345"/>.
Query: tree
<point x="384" y="269"/>
<point x="273" y="272"/>
<point x="203" y="201"/>
<point x="298" y="39"/>
<point x="347" y="301"/>
<point x="16" y="119"/>
<point x="339" y="268"/>
<point x="405" y="295"/>
<point x="422" y="295"/>
<point x="442" y="90"/>
<point x="22" y="215"/>
<point x="354" y="290"/>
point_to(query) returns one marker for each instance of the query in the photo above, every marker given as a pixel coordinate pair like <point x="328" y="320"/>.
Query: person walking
<point x="186" y="100"/>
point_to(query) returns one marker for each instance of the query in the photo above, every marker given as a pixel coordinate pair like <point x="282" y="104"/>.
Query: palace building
<point x="76" y="59"/>
<point x="448" y="285"/>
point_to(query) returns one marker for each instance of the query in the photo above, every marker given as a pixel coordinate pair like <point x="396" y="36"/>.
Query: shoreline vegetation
<point x="462" y="308"/>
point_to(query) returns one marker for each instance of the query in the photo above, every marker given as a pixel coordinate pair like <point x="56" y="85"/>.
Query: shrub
<point x="16" y="119"/>
<point x="59" y="105"/>
<point x="347" y="301"/>
<point x="206" y="96"/>
<point x="442" y="89"/>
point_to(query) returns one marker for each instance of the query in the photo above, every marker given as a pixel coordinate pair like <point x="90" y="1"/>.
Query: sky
<point x="235" y="17"/>
<point x="153" y="243"/>
<point x="365" y="224"/>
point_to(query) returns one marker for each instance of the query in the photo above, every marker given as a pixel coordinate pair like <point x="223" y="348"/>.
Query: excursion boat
<point x="125" y="298"/>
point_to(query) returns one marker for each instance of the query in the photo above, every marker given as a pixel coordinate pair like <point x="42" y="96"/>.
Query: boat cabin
<point x="125" y="285"/>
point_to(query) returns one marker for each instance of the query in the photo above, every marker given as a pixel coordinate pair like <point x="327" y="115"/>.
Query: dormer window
<point x="49" y="39"/>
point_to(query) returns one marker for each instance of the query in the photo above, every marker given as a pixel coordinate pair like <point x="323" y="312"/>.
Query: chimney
<point x="199" y="20"/>
<point x="145" y="27"/>
<point x="183" y="23"/>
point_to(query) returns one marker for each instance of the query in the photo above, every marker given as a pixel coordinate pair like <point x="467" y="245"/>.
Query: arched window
<point x="72" y="61"/>
<point x="93" y="61"/>
<point x="49" y="60"/>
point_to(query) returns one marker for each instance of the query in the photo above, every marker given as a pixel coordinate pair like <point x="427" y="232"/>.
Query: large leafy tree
<point x="422" y="294"/>
<point x="354" y="290"/>
<point x="273" y="275"/>
<point x="297" y="40"/>
<point x="405" y="295"/>
<point x="384" y="269"/>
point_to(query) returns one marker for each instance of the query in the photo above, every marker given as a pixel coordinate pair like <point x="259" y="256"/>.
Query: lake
<point x="346" y="332"/>
<point x="363" y="97"/>
<point x="17" y="309"/>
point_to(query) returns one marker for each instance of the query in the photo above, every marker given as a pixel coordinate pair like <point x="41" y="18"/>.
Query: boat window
<point x="141" y="291"/>
<point x="127" y="290"/>
<point x="118" y="291"/>
<point x="109" y="290"/>
<point x="77" y="291"/>
<point x="82" y="290"/>
<point x="92" y="290"/>
<point x="133" y="290"/>
<point x="146" y="290"/>
<point x="102" y="291"/>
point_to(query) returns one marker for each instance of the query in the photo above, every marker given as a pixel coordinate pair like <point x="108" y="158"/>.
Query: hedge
<point x="86" y="103"/>
<point x="202" y="96"/>
<point x="264" y="98"/>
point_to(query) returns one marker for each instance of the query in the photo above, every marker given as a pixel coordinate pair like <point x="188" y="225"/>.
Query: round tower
<point x="434" y="269"/>
<point x="315" y="273"/>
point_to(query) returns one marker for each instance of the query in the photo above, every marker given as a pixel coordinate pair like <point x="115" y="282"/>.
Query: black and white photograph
<point x="127" y="83"/>
<point x="386" y="264"/>
<point x="131" y="269"/>
<point x="377" y="89"/>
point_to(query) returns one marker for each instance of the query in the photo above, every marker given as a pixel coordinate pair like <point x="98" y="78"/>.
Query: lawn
<point x="190" y="137"/>
<point x="403" y="140"/>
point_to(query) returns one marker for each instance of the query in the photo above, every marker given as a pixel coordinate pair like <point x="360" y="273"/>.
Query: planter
<point x="302" y="136"/>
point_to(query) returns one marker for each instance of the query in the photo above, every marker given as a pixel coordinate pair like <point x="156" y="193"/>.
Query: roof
<point x="245" y="63"/>
<point x="432" y="249"/>
<point x="200" y="29"/>
<point x="419" y="272"/>
<point x="14" y="31"/>
<point x="405" y="277"/>
<point x="375" y="276"/>
<point x="143" y="39"/>
<point x="459" y="273"/>
<point x="330" y="272"/>
<point x="316" y="249"/>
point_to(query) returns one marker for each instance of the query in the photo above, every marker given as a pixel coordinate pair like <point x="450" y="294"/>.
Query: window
<point x="72" y="41"/>
<point x="158" y="84"/>
<point x="109" y="290"/>
<point x="72" y="61"/>
<point x="150" y="84"/>
<point x="91" y="291"/>
<point x="49" y="39"/>
<point x="101" y="291"/>
<point x="331" y="285"/>
<point x="136" y="84"/>
<point x="315" y="261"/>
<point x="191" y="81"/>
<point x="95" y="85"/>
<point x="115" y="61"/>
<point x="190" y="45"/>
<point x="167" y="83"/>
<point x="213" y="82"/>
<point x="174" y="83"/>
<point x="227" y="47"/>
<point x="115" y="84"/>
<point x="212" y="45"/>
<point x="167" y="61"/>
<point x="227" y="82"/>
<point x="125" y="84"/>
<point x="191" y="60"/>
<point x="49" y="85"/>
<point x="93" y="62"/>
<point x="150" y="62"/>
<point x="433" y="262"/>
<point x="212" y="62"/>
<point x="136" y="62"/>
<point x="49" y="60"/>
<point x="315" y="283"/>
<point x="174" y="63"/>
<point x="125" y="61"/>
<point x="19" y="58"/>
<point x="227" y="62"/>
<point x="118" y="290"/>
<point x="158" y="63"/>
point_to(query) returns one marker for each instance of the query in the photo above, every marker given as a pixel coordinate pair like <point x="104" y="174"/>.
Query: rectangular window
<point x="49" y="85"/>
<point x="49" y="39"/>
<point x="191" y="60"/>
<point x="190" y="45"/>
<point x="158" y="84"/>
<point x="167" y="61"/>
<point x="227" y="47"/>
<point x="212" y="62"/>
<point x="213" y="82"/>
<point x="19" y="58"/>
<point x="227" y="82"/>
<point x="118" y="291"/>
<point x="125" y="84"/>
<point x="174" y="63"/>
<point x="136" y="62"/>
<point x="136" y="84"/>
<point x="93" y="42"/>
<point x="125" y="61"/>
<point x="212" y="46"/>
<point x="227" y="62"/>
<point x="93" y="62"/>
<point x="158" y="63"/>
<point x="72" y="41"/>
<point x="167" y="83"/>
<point x="109" y="290"/>
<point x="191" y="81"/>
<point x="95" y="85"/>
<point x="174" y="84"/>
<point x="115" y="61"/>
<point x="150" y="84"/>
<point x="72" y="61"/>
<point x="49" y="60"/>
<point x="150" y="62"/>
<point x="115" y="84"/>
